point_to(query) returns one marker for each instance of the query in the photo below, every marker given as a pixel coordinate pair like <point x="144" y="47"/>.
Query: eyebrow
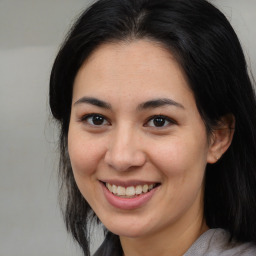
<point x="145" y="105"/>
<point x="159" y="103"/>
<point x="93" y="101"/>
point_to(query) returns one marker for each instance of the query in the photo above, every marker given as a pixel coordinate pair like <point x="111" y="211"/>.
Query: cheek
<point x="85" y="154"/>
<point x="180" y="156"/>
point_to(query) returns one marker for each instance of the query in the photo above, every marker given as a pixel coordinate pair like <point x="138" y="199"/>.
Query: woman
<point x="157" y="122"/>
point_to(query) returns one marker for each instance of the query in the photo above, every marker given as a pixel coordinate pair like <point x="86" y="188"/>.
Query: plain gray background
<point x="30" y="34"/>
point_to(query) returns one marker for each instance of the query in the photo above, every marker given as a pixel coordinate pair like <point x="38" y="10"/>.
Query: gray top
<point x="215" y="242"/>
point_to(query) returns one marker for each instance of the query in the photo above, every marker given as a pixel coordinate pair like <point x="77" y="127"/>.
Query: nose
<point x="125" y="151"/>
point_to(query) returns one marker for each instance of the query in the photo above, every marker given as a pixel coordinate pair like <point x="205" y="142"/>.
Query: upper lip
<point x="128" y="183"/>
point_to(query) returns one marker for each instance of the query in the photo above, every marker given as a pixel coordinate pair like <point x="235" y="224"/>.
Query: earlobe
<point x="221" y="138"/>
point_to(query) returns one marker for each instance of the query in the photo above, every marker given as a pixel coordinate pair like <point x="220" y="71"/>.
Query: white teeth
<point x="109" y="187"/>
<point x="114" y="189"/>
<point x="145" y="188"/>
<point x="138" y="190"/>
<point x="120" y="191"/>
<point x="129" y="191"/>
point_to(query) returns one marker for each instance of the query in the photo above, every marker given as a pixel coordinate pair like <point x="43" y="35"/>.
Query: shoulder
<point x="215" y="242"/>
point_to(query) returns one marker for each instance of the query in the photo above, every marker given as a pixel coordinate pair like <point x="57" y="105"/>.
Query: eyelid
<point x="168" y="119"/>
<point x="85" y="118"/>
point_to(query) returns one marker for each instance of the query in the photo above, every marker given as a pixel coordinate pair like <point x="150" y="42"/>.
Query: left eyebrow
<point x="159" y="103"/>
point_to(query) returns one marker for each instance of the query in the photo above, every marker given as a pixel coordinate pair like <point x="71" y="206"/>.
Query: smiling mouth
<point x="131" y="191"/>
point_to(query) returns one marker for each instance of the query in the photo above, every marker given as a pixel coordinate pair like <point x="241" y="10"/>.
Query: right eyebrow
<point x="93" y="101"/>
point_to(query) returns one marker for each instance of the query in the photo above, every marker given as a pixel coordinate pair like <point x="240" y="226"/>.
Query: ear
<point x="221" y="138"/>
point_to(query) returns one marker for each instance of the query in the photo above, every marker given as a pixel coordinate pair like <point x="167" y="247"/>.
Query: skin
<point x="127" y="145"/>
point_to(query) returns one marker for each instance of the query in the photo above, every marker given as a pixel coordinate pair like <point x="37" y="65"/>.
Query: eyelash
<point x="94" y="115"/>
<point x="105" y="121"/>
<point x="164" y="118"/>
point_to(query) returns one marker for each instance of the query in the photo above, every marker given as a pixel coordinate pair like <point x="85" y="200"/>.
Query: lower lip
<point x="128" y="203"/>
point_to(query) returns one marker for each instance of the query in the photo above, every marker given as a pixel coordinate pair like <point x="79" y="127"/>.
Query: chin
<point x="128" y="229"/>
<point x="130" y="233"/>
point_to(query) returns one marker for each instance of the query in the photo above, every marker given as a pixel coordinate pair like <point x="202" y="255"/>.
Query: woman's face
<point x="137" y="143"/>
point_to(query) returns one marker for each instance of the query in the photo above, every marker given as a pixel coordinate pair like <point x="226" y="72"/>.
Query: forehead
<point x="140" y="67"/>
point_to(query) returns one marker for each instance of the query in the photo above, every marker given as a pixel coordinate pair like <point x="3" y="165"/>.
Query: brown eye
<point x="95" y="120"/>
<point x="159" y="121"/>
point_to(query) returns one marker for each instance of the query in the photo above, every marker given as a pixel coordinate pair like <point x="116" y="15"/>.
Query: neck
<point x="175" y="240"/>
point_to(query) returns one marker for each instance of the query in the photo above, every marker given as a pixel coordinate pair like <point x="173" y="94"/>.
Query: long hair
<point x="208" y="50"/>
